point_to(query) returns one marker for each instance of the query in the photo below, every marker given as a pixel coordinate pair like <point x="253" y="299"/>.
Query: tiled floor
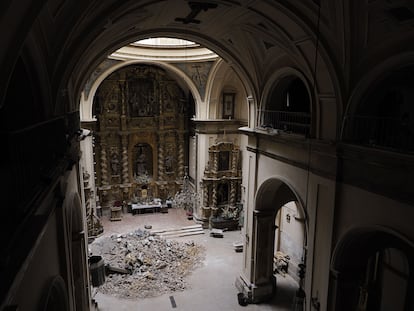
<point x="211" y="286"/>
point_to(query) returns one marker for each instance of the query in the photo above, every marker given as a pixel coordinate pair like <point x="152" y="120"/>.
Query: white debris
<point x="158" y="266"/>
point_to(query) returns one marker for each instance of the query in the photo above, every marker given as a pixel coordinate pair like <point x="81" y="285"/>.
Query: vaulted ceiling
<point x="66" y="40"/>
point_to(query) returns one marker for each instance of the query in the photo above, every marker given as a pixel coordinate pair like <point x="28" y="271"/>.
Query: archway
<point x="272" y="196"/>
<point x="372" y="269"/>
<point x="380" y="113"/>
<point x="287" y="103"/>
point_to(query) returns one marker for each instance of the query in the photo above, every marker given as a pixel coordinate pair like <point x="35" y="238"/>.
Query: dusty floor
<point x="211" y="286"/>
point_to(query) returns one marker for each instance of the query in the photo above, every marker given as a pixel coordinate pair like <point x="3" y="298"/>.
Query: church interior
<point x="286" y="124"/>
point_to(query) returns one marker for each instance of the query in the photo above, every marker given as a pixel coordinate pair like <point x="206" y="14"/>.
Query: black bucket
<point x="97" y="270"/>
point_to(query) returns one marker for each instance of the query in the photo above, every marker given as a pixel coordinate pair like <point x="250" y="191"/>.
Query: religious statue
<point x="115" y="164"/>
<point x="169" y="163"/>
<point x="141" y="164"/>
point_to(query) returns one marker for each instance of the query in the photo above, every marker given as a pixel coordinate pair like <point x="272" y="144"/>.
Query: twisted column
<point x="104" y="165"/>
<point x="234" y="161"/>
<point x="215" y="161"/>
<point x="214" y="196"/>
<point x="232" y="193"/>
<point x="205" y="195"/>
<point x="180" y="156"/>
<point x="161" y="157"/>
<point x="125" y="175"/>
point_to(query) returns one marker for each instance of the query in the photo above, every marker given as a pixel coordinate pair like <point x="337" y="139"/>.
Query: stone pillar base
<point x="256" y="293"/>
<point x="204" y="222"/>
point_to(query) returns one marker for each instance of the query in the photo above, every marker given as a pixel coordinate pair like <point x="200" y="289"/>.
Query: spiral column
<point x="214" y="196"/>
<point x="205" y="195"/>
<point x="234" y="159"/>
<point x="161" y="157"/>
<point x="215" y="161"/>
<point x="104" y="165"/>
<point x="233" y="193"/>
<point x="180" y="156"/>
<point x="125" y="173"/>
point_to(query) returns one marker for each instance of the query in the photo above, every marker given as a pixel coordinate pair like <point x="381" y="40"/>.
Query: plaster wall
<point x="360" y="208"/>
<point x="192" y="161"/>
<point x="290" y="236"/>
<point x="318" y="201"/>
<point x="321" y="204"/>
<point x="33" y="286"/>
<point x="225" y="80"/>
<point x="86" y="163"/>
<point x="249" y="181"/>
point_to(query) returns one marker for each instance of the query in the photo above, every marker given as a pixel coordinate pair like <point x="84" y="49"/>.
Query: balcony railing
<point x="293" y="122"/>
<point x="383" y="132"/>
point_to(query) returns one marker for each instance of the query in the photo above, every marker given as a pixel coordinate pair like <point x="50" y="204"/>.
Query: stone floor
<point x="211" y="286"/>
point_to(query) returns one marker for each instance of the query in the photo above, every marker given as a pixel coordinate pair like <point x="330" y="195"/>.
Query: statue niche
<point x="143" y="163"/>
<point x="115" y="167"/>
<point x="142" y="95"/>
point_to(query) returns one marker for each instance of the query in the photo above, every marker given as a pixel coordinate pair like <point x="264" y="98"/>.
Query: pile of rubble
<point x="155" y="265"/>
<point x="281" y="263"/>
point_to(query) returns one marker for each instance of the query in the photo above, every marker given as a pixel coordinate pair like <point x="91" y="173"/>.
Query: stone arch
<point x="351" y="261"/>
<point x="271" y="196"/>
<point x="86" y="104"/>
<point x="384" y="116"/>
<point x="213" y="98"/>
<point x="371" y="80"/>
<point x="279" y="81"/>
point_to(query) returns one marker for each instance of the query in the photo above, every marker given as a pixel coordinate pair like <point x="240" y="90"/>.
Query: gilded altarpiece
<point x="221" y="187"/>
<point x="140" y="135"/>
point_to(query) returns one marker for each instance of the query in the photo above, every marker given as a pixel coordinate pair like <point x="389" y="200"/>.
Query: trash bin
<point x="97" y="270"/>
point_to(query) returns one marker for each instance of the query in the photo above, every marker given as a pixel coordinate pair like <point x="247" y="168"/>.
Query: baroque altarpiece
<point x="221" y="185"/>
<point x="141" y="135"/>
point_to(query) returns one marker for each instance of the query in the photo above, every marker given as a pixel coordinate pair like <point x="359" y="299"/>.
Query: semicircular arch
<point x="275" y="192"/>
<point x="358" y="243"/>
<point x="371" y="79"/>
<point x="87" y="103"/>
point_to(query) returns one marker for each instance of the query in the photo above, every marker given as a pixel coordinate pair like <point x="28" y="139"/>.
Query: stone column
<point x="261" y="283"/>
<point x="263" y="280"/>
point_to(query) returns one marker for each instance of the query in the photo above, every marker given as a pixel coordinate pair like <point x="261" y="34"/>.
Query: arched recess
<point x="90" y="61"/>
<point x="372" y="269"/>
<point x="288" y="103"/>
<point x="379" y="113"/>
<point x="86" y="104"/>
<point x="271" y="196"/>
<point x="223" y="79"/>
